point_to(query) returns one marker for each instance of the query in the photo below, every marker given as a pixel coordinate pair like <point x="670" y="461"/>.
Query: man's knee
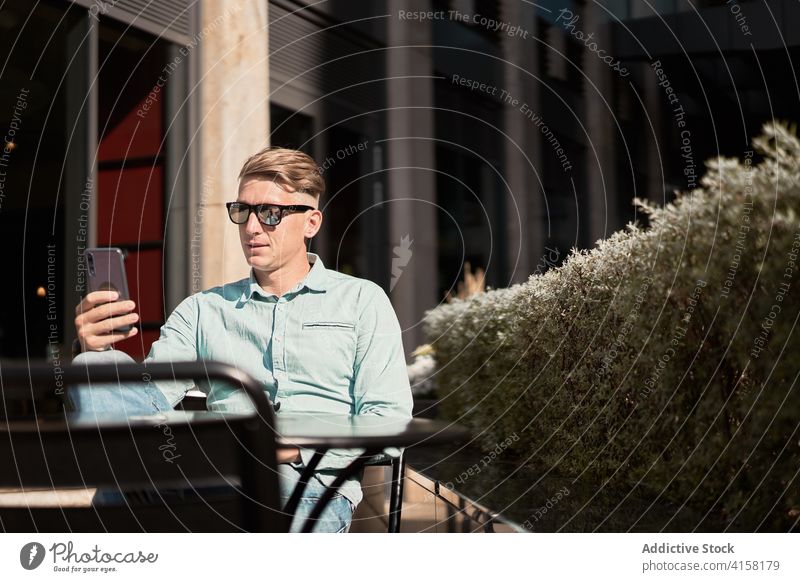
<point x="106" y="357"/>
<point x="112" y="397"/>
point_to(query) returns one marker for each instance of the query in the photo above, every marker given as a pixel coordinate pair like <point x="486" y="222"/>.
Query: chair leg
<point x="396" y="494"/>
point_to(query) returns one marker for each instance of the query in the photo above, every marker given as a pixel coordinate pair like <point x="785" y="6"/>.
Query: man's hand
<point x="99" y="315"/>
<point x="291" y="455"/>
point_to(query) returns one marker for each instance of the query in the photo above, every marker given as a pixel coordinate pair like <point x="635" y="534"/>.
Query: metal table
<point x="320" y="432"/>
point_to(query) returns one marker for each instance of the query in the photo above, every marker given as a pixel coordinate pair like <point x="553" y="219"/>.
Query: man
<point x="319" y="340"/>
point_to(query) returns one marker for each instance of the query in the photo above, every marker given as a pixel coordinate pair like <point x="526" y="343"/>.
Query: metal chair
<point x="65" y="451"/>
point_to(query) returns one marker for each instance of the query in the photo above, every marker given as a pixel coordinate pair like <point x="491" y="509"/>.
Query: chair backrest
<point x="175" y="456"/>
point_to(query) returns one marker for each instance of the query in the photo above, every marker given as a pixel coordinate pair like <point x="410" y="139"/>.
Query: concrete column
<point x="601" y="174"/>
<point x="522" y="147"/>
<point x="176" y="195"/>
<point x="234" y="118"/>
<point x="321" y="244"/>
<point x="411" y="195"/>
<point x="80" y="173"/>
<point x="641" y="10"/>
<point x="655" y="140"/>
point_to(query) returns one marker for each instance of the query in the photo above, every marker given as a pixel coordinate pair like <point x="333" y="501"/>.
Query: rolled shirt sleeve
<point x="177" y="343"/>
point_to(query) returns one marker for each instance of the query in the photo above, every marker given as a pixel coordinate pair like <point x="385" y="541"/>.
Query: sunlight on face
<point x="269" y="248"/>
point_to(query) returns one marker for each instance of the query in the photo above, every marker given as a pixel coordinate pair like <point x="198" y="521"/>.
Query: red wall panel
<point x="130" y="212"/>
<point x="130" y="206"/>
<point x="145" y="283"/>
<point x="135" y="136"/>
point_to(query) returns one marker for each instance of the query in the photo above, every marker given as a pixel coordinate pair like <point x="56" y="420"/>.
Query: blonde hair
<point x="291" y="169"/>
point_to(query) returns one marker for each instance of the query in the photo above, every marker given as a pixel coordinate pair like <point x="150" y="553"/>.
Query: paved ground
<point x="46" y="497"/>
<point x="420" y="512"/>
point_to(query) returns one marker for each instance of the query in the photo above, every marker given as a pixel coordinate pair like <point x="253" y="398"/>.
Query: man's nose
<point x="253" y="225"/>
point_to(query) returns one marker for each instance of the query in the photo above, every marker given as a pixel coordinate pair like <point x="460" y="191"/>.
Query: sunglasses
<point x="268" y="214"/>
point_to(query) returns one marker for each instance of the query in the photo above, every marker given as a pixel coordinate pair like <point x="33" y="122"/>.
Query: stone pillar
<point x="640" y="10"/>
<point x="80" y="173"/>
<point x="522" y="146"/>
<point x="601" y="174"/>
<point x="411" y="163"/>
<point x="655" y="139"/>
<point x="234" y="122"/>
<point x="177" y="168"/>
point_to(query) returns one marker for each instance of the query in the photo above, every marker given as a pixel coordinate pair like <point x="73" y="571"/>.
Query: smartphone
<point x="106" y="268"/>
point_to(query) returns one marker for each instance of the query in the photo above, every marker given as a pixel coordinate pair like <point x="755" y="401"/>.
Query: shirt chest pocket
<point x="328" y="339"/>
<point x="326" y="350"/>
<point x="328" y="326"/>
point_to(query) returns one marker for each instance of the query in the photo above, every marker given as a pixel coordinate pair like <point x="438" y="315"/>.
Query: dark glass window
<point x="41" y="44"/>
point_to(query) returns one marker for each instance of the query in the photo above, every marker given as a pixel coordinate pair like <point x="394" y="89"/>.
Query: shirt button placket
<point x="278" y="343"/>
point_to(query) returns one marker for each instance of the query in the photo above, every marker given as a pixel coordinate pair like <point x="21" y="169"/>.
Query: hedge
<point x="665" y="358"/>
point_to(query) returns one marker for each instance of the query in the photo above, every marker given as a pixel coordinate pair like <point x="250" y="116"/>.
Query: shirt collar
<point x="315" y="280"/>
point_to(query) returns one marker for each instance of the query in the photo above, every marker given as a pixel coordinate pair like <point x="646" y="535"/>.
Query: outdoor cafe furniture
<point x="73" y="449"/>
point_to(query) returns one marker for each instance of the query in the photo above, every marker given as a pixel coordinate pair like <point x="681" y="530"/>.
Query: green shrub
<point x="665" y="358"/>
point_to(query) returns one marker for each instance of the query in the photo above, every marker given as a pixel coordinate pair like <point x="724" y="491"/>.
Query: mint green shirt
<point x="332" y="345"/>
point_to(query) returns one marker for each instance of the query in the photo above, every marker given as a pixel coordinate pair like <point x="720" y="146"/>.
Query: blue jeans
<point x="147" y="399"/>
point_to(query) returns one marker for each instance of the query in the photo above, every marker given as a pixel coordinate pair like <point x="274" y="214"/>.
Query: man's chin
<point x="259" y="263"/>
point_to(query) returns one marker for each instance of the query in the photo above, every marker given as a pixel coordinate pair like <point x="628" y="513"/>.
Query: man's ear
<point x="313" y="223"/>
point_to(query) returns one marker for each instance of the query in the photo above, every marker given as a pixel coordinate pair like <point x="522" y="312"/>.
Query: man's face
<point x="268" y="248"/>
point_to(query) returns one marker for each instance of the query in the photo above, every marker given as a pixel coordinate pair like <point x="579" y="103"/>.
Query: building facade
<point x="496" y="133"/>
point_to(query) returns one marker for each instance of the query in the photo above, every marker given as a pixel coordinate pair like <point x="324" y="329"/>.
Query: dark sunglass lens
<point x="269" y="215"/>
<point x="238" y="213"/>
